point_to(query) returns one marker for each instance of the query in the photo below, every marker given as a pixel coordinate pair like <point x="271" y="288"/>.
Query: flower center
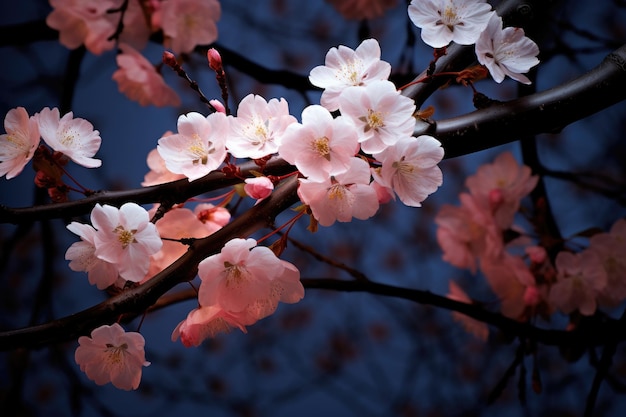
<point x="350" y="72"/>
<point x="321" y="146"/>
<point x="403" y="167"/>
<point x="336" y="192"/>
<point x="125" y="237"/>
<point x="236" y="275"/>
<point x="375" y="120"/>
<point x="198" y="149"/>
<point x="449" y="18"/>
<point x="115" y="354"/>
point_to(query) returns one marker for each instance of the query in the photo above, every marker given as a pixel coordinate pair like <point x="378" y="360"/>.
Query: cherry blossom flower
<point x="259" y="126"/>
<point x="112" y="355"/>
<point x="503" y="184"/>
<point x="467" y="233"/>
<point x="362" y="9"/>
<point x="198" y="148"/>
<point x="321" y="146"/>
<point x="345" y="67"/>
<point x="610" y="249"/>
<point x="82" y="257"/>
<point x="381" y="114"/>
<point x="189" y="23"/>
<point x="342" y="197"/>
<point x="213" y="218"/>
<point x="445" y="21"/>
<point x="580" y="278"/>
<point x="125" y="237"/>
<point x="506" y="51"/>
<point x="473" y="326"/>
<point x="138" y="79"/>
<point x="244" y="275"/>
<point x="204" y="322"/>
<point x="18" y="145"/>
<point x="89" y="23"/>
<point x="410" y="168"/>
<point x="159" y="174"/>
<point x="258" y="187"/>
<point x="74" y="137"/>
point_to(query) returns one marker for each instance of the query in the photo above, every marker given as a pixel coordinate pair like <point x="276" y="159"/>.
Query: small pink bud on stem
<point x="215" y="60"/>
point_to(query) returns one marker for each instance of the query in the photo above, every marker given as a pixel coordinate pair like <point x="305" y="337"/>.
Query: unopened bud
<point x="215" y="60"/>
<point x="169" y="59"/>
<point x="496" y="198"/>
<point x="218" y="106"/>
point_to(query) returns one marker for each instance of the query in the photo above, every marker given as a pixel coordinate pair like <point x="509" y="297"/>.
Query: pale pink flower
<point x="258" y="187"/>
<point x="345" y="67"/>
<point x="212" y="218"/>
<point x="445" y="21"/>
<point x="580" y="278"/>
<point x="138" y="79"/>
<point x="473" y="326"/>
<point x="74" y="137"/>
<point x="610" y="248"/>
<point x="321" y="146"/>
<point x="87" y="22"/>
<point x="506" y="51"/>
<point x="159" y="174"/>
<point x="343" y="197"/>
<point x="467" y="233"/>
<point x="112" y="355"/>
<point x="362" y="9"/>
<point x="198" y="148"/>
<point x="205" y="322"/>
<point x="189" y="23"/>
<point x="18" y="145"/>
<point x="82" y="257"/>
<point x="502" y="184"/>
<point x="381" y="114"/>
<point x="409" y="167"/>
<point x="244" y="276"/>
<point x="509" y="278"/>
<point x="259" y="126"/>
<point x="125" y="237"/>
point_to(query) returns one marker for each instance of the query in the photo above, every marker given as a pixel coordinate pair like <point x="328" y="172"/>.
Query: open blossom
<point x="610" y="249"/>
<point x="503" y="184"/>
<point x="506" y="51"/>
<point x="88" y="22"/>
<point x="204" y="322"/>
<point x="138" y="79"/>
<point x="112" y="355"/>
<point x="189" y="23"/>
<point x="342" y="197"/>
<point x="82" y="257"/>
<point x="345" y="67"/>
<point x="410" y="168"/>
<point x="198" y="148"/>
<point x="244" y="276"/>
<point x="18" y="145"/>
<point x="445" y="21"/>
<point x="362" y="9"/>
<point x="259" y="126"/>
<point x="126" y="238"/>
<point x="159" y="174"/>
<point x="381" y="114"/>
<point x="321" y="146"/>
<point x="580" y="278"/>
<point x="74" y="137"/>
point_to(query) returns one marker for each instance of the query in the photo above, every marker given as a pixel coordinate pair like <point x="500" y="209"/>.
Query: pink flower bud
<point x="215" y="60"/>
<point x="496" y="198"/>
<point x="259" y="188"/>
<point x="169" y="59"/>
<point x="218" y="106"/>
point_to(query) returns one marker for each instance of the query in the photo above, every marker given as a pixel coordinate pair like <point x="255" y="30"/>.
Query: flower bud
<point x="169" y="59"/>
<point x="215" y="60"/>
<point x="218" y="106"/>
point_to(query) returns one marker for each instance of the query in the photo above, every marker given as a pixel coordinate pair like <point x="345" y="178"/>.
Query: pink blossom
<point x="409" y="167"/>
<point x="189" y="23"/>
<point x="204" y="322"/>
<point x="244" y="276"/>
<point x="506" y="51"/>
<point x="362" y="9"/>
<point x="580" y="278"/>
<point x="342" y="197"/>
<point x="18" y="145"/>
<point x="88" y="22"/>
<point x="259" y="126"/>
<point x="198" y="148"/>
<point x="139" y="81"/>
<point x="473" y="326"/>
<point x="82" y="257"/>
<point x="610" y="248"/>
<point x="258" y="187"/>
<point x="381" y="114"/>
<point x="159" y="174"/>
<point x="112" y="355"/>
<point x="125" y="237"/>
<point x="445" y="21"/>
<point x="321" y="146"/>
<point x="212" y="218"/>
<point x="74" y="137"/>
<point x="345" y="67"/>
<point x="467" y="233"/>
<point x="509" y="180"/>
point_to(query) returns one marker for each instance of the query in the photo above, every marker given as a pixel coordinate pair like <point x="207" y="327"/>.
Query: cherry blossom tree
<point x="394" y="204"/>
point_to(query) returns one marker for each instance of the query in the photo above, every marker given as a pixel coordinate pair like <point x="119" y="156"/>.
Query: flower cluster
<point x="504" y="51"/>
